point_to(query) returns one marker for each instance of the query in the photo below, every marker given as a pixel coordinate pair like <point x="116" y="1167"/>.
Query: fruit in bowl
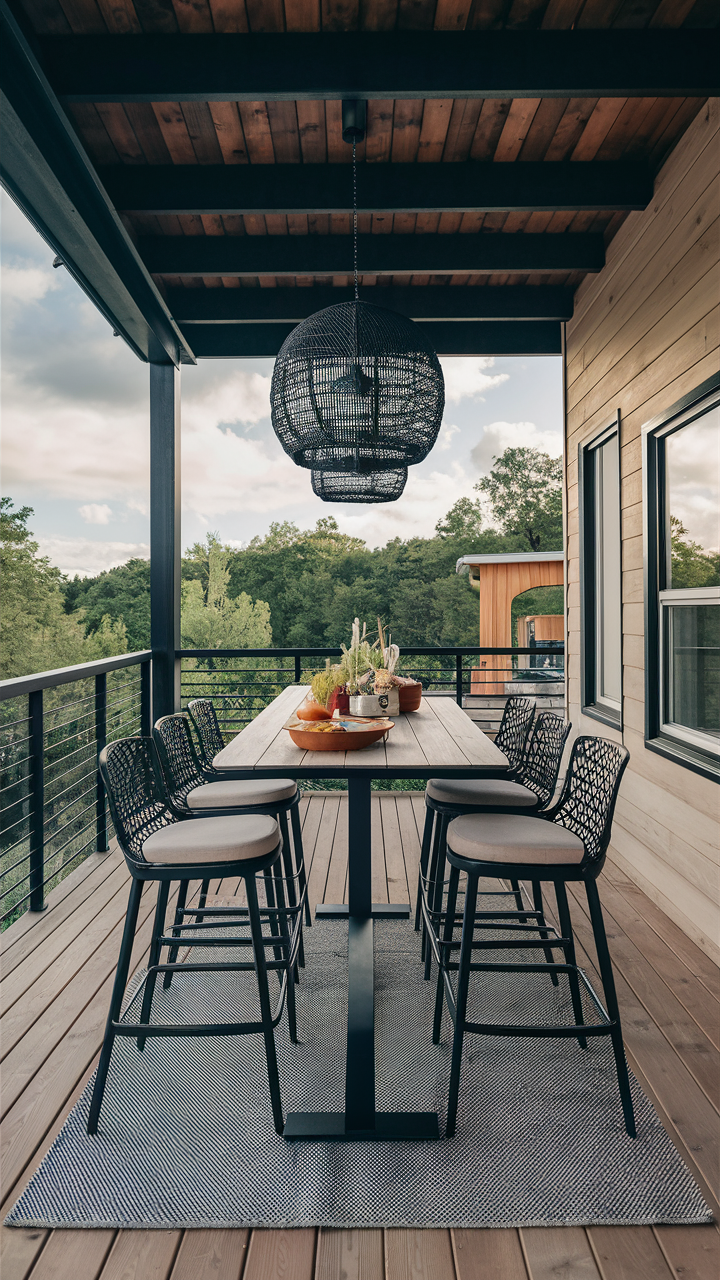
<point x="311" y="710"/>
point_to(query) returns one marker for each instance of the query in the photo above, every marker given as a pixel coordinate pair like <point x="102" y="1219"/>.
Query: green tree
<point x="463" y="520"/>
<point x="691" y="565"/>
<point x="36" y="632"/>
<point x="121" y="593"/>
<point x="524" y="489"/>
<point x="211" y="620"/>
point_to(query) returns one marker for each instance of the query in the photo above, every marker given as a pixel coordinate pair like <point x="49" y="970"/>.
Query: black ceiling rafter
<point x="382" y="188"/>
<point x="377" y="255"/>
<point x="47" y="173"/>
<point x="407" y="64"/>
<point x="418" y="302"/>
<point x="449" y="338"/>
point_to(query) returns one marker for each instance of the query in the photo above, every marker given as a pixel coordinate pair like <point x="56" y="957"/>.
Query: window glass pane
<point x="608" y="585"/>
<point x="693" y="638"/>
<point x="692" y="463"/>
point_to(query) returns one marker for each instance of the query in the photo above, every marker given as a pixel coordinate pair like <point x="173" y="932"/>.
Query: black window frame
<point x="587" y="453"/>
<point x="655" y="557"/>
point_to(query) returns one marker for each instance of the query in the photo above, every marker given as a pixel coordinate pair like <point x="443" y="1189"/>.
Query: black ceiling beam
<point x="46" y="171"/>
<point x="485" y="253"/>
<point x="419" y="302"/>
<point x="449" y="338"/>
<point x="407" y="64"/>
<point x="381" y="188"/>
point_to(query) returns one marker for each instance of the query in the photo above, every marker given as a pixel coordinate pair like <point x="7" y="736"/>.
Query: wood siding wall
<point x="643" y="334"/>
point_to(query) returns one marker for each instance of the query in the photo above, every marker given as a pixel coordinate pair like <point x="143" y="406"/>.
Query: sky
<point x="75" y="439"/>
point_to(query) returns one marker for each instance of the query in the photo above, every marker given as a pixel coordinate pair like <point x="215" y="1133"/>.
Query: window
<point x="683" y="604"/>
<point x="601" y="582"/>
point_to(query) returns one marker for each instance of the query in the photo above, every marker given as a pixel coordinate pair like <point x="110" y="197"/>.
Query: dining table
<point x="437" y="740"/>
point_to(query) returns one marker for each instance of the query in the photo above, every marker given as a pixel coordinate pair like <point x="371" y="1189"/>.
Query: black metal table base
<point x="389" y="1126"/>
<point x="378" y="911"/>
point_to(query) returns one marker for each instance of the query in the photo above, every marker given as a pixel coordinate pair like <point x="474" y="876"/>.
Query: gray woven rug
<point x="185" y="1137"/>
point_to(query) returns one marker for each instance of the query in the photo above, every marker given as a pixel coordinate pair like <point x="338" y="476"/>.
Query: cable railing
<point x="241" y="682"/>
<point x="53" y="809"/>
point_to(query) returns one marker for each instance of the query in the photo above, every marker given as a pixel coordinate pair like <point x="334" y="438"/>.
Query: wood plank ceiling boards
<point x="186" y="160"/>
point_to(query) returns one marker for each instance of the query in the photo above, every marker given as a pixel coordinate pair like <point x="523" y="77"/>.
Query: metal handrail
<point x="68" y="675"/>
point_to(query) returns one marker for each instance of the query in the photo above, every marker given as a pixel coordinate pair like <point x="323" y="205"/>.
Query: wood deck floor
<point x="56" y="986"/>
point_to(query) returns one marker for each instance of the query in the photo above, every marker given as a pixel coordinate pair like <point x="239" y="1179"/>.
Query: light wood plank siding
<point x="645" y="332"/>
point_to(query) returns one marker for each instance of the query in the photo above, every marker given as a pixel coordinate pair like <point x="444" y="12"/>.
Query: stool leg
<point x="202" y="900"/>
<point x="289" y="970"/>
<point x="569" y="949"/>
<point x="438" y="882"/>
<point x="427" y="887"/>
<point x="446" y="953"/>
<point x="608" y="981"/>
<point x="517" y="891"/>
<point x="543" y="931"/>
<point x="118" y="991"/>
<point x="270" y="895"/>
<point x="424" y="855"/>
<point x="290" y="877"/>
<point x="154" y="956"/>
<point x="265" y="1010"/>
<point x="300" y="856"/>
<point x="173" y="953"/>
<point x="468" y="930"/>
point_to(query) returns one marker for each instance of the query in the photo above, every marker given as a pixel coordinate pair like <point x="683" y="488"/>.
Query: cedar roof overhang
<point x="185" y="160"/>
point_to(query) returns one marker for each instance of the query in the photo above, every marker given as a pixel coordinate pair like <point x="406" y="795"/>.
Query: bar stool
<point x="511" y="738"/>
<point x="569" y="843"/>
<point x="532" y="789"/>
<point x="210" y="740"/>
<point x="158" y="847"/>
<point x="191" y="796"/>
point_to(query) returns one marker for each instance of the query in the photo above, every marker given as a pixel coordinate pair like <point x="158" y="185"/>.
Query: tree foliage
<point x="691" y="565"/>
<point x="36" y="631"/>
<point x="524" y="490"/>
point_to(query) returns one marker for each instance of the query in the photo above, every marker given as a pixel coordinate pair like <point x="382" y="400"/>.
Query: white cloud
<point x="26" y="283"/>
<point x="96" y="513"/>
<point x="84" y="557"/>
<point x="499" y="436"/>
<point x="134" y="505"/>
<point x="446" y="436"/>
<point x="240" y="396"/>
<point x="467" y="377"/>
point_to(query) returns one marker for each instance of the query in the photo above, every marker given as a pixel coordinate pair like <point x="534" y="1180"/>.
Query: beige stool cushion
<point x="486" y="791"/>
<point x="510" y="837"/>
<point x="196" y="840"/>
<point x="232" y="795"/>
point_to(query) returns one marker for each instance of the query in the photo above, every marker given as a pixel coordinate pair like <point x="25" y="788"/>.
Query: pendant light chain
<point x="355" y="230"/>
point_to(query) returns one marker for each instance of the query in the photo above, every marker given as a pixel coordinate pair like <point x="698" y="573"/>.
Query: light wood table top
<point x="438" y="739"/>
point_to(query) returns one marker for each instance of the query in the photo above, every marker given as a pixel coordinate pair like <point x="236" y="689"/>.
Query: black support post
<point x="100" y="740"/>
<point x="165" y="537"/>
<point x="37" y="811"/>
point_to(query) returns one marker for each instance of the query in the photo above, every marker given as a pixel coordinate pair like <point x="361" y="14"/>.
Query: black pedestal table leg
<point x="360" y="1071"/>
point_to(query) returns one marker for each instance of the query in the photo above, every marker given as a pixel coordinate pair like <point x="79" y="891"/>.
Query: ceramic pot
<point x="410" y="696"/>
<point x="374" y="704"/>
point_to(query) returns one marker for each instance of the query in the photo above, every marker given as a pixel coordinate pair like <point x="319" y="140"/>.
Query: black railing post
<point x="459" y="679"/>
<point x="37" y="793"/>
<point x="145" y="726"/>
<point x="100" y="741"/>
<point x="298" y="669"/>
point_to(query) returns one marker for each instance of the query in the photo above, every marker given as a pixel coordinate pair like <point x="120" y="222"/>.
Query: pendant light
<point x="357" y="387"/>
<point x="353" y="486"/>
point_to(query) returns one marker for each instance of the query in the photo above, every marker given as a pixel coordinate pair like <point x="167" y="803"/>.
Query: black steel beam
<point x="47" y="173"/>
<point x="431" y="302"/>
<point x="449" y="338"/>
<point x="165" y="545"/>
<point x="377" y="255"/>
<point x="381" y="188"/>
<point x="407" y="64"/>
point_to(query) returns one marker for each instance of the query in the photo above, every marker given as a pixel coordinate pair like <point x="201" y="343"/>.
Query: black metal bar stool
<point x="211" y="742"/>
<point x="159" y="847"/>
<point x="192" y="796"/>
<point x="568" y="843"/>
<point x="446" y="798"/>
<point x="532" y="789"/>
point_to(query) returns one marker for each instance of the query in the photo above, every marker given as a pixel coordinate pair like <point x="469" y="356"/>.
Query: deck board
<point x="667" y="991"/>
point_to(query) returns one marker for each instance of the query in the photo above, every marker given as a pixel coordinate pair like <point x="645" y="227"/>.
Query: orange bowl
<point x="410" y="696"/>
<point x="351" y="739"/>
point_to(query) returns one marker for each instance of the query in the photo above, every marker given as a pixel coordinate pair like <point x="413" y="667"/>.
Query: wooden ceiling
<point x="636" y="133"/>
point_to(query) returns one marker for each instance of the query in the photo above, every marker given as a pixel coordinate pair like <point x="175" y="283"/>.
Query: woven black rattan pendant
<point x="357" y="388"/>
<point x="353" y="486"/>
